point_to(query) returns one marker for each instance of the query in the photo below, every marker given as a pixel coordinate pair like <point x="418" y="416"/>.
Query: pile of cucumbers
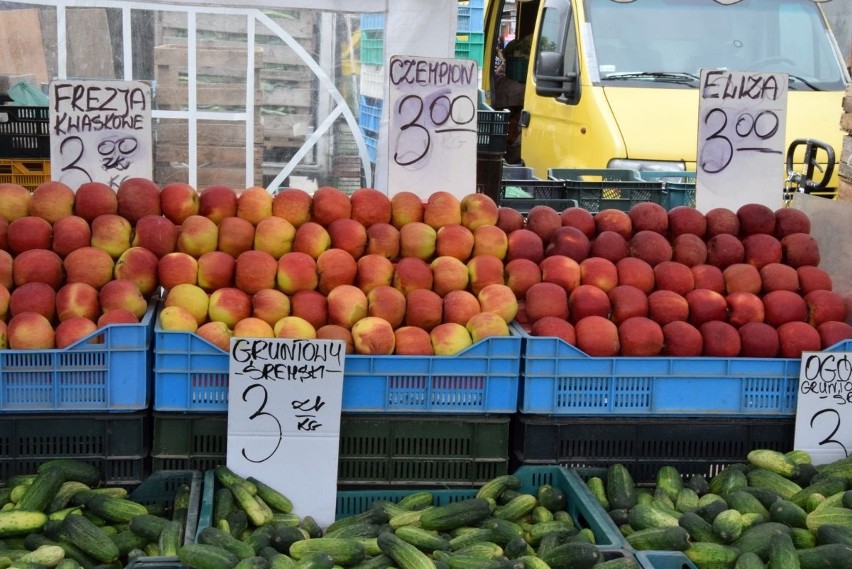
<point x="774" y="511"/>
<point x="60" y="517"/>
<point x="253" y="527"/>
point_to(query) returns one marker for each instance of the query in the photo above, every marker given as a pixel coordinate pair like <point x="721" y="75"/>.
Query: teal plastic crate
<point x="112" y="375"/>
<point x="664" y="560"/>
<point x="608" y="188"/>
<point x="470" y="45"/>
<point x="191" y="374"/>
<point x="372" y="47"/>
<point x="560" y="379"/>
<point x="159" y="490"/>
<point x="585" y="511"/>
<point x="679" y="186"/>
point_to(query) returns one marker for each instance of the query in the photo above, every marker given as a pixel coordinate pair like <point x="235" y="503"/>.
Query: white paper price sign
<point x="284" y="404"/>
<point x="741" y="130"/>
<point x="100" y="131"/>
<point x="432" y="125"/>
<point x="824" y="407"/>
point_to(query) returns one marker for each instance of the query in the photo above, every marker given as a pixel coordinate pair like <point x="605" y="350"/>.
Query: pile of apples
<point x="386" y="275"/>
<point x="649" y="282"/>
<point x="71" y="263"/>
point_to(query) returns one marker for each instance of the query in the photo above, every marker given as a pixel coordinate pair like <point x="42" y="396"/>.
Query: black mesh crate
<point x="692" y="445"/>
<point x="116" y="443"/>
<point x="453" y="450"/>
<point x="24" y="132"/>
<point x="489" y="169"/>
<point x="524" y="194"/>
<point x="492" y="128"/>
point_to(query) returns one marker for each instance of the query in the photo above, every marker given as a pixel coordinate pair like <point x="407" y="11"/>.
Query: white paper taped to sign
<point x="742" y="119"/>
<point x="100" y="131"/>
<point x="432" y="125"/>
<point x="284" y="403"/>
<point x="824" y="405"/>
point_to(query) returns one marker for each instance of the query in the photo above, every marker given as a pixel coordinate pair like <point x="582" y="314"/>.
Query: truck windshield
<point x="652" y="40"/>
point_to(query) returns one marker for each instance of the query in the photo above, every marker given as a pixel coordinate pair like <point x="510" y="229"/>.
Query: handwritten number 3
<point x="829" y="438"/>
<point x="261" y="412"/>
<point x="413" y="123"/>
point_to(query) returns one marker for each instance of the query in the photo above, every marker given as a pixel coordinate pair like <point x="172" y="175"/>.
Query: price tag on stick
<point x="824" y="406"/>
<point x="741" y="130"/>
<point x="100" y="131"/>
<point x="284" y="404"/>
<point x="432" y="132"/>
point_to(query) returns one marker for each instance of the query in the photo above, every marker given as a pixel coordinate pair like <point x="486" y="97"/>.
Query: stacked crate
<point x="221" y="154"/>
<point x="88" y="401"/>
<point x="407" y="420"/>
<point x="372" y="80"/>
<point x="470" y="36"/>
<point x="24" y="146"/>
<point x="844" y="190"/>
<point x="285" y="86"/>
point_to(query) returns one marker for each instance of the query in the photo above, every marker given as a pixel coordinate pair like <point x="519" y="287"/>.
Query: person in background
<point x="509" y="92"/>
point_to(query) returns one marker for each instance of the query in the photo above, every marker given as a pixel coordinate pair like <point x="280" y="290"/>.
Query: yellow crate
<point x="27" y="173"/>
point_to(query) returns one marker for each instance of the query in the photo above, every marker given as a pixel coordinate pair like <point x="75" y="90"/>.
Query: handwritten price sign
<point x="100" y="131"/>
<point x="284" y="404"/>
<point x="824" y="407"/>
<point x="432" y="125"/>
<point x="741" y="138"/>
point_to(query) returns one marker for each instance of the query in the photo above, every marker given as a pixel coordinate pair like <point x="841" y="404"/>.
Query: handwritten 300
<point x="423" y="118"/>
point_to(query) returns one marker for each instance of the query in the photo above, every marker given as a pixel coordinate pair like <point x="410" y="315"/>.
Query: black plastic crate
<point x="116" y="443"/>
<point x="398" y="450"/>
<point x="24" y="132"/>
<point x="692" y="445"/>
<point x="492" y="128"/>
<point x="489" y="170"/>
<point x="524" y="194"/>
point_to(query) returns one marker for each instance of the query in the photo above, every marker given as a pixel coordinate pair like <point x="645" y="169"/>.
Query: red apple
<point x="825" y="306"/>
<point x="796" y="337"/>
<point x="671" y="275"/>
<point x="33" y="297"/>
<point x="813" y="278"/>
<point x="93" y="199"/>
<point x="441" y="208"/>
<point x="217" y="202"/>
<point x="423" y="308"/>
<point x="14" y="201"/>
<point x="597" y="336"/>
<point x="599" y="272"/>
<point x="330" y="203"/>
<point x="666" y="306"/>
<point x="744" y="307"/>
<point x="651" y="247"/>
<point x="721" y="340"/>
<point x="484" y="270"/>
<point x="709" y="276"/>
<point x="382" y="239"/>
<point x="639" y="336"/>
<point x="373" y="270"/>
<point x="373" y="336"/>
<point x="689" y="249"/>
<point x="832" y="332"/>
<point x="236" y="235"/>
<point x="73" y="330"/>
<point x="29" y="232"/>
<point x="509" y="219"/>
<point x="609" y="245"/>
<point x="778" y="276"/>
<point x="42" y="265"/>
<point x="52" y="200"/>
<point x="568" y="241"/>
<point x="758" y="340"/>
<point x="627" y="301"/>
<point x="546" y="299"/>
<point x="800" y="249"/>
<point x="760" y="249"/>
<point x="405" y="207"/>
<point x="293" y="205"/>
<point x="346" y="305"/>
<point x="649" y="216"/>
<point x="790" y="220"/>
<point x="348" y="235"/>
<point x="782" y="306"/>
<point x="89" y="265"/>
<point x="756" y="218"/>
<point x="636" y="272"/>
<point x="721" y="220"/>
<point x="742" y="277"/>
<point x="448" y="274"/>
<point x="611" y="219"/>
<point x="524" y="244"/>
<point x="30" y="331"/>
<point x="412" y="273"/>
<point x="681" y="339"/>
<point x="254" y="204"/>
<point x="386" y="302"/>
<point x="311" y="306"/>
<point x="215" y="269"/>
<point x="370" y="206"/>
<point x="581" y="218"/>
<point x="543" y="220"/>
<point x="412" y="341"/>
<point x="685" y="220"/>
<point x="706" y="305"/>
<point x="177" y="201"/>
<point x="296" y="271"/>
<point x="521" y="274"/>
<point x="554" y="327"/>
<point x="255" y="271"/>
<point x="334" y="332"/>
<point x="587" y="300"/>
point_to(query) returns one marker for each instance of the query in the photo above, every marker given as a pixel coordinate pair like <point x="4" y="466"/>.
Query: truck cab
<point x="614" y="83"/>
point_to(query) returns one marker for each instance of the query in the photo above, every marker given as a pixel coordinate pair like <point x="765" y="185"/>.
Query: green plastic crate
<point x="470" y="46"/>
<point x="372" y="47"/>
<point x="586" y="512"/>
<point x="159" y="489"/>
<point x="403" y="450"/>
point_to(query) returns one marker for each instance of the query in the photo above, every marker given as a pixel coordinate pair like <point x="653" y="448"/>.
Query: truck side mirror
<point x="550" y="78"/>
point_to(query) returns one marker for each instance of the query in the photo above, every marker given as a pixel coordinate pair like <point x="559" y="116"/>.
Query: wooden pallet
<point x="301" y="24"/>
<point x="220" y="75"/>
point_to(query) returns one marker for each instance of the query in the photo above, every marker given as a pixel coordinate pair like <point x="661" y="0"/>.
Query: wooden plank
<point x="273" y="53"/>
<point x="283" y="96"/>
<point x="844" y="190"/>
<point x="209" y="132"/>
<point x="222" y="95"/>
<point x="212" y="62"/>
<point x="207" y="176"/>
<point x="297" y="23"/>
<point x="22" y="50"/>
<point x="217" y="155"/>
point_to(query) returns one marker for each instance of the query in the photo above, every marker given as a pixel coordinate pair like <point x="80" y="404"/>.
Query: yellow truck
<point x="614" y="83"/>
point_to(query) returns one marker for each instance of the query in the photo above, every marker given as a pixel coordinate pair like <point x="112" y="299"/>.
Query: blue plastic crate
<point x="110" y="375"/>
<point x="191" y="374"/>
<point x="370" y="114"/>
<point x="470" y="17"/>
<point x="372" y="142"/>
<point x="374" y="21"/>
<point x="560" y="379"/>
